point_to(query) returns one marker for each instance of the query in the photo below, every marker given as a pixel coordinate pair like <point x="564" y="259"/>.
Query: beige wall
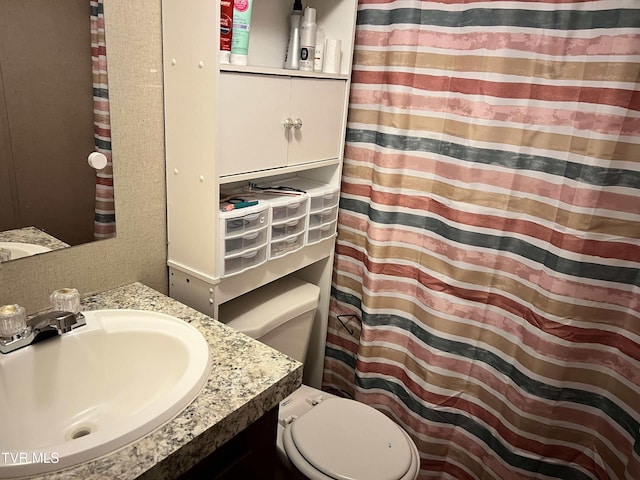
<point x="134" y="49"/>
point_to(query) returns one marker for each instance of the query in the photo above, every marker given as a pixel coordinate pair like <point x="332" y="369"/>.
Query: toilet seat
<point x="341" y="439"/>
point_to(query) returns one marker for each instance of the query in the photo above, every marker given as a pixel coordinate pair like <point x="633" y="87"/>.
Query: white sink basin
<point x="76" y="397"/>
<point x="19" y="249"/>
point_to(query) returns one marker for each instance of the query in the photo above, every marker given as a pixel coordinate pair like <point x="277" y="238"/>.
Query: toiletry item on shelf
<point x="292" y="57"/>
<point x="276" y="190"/>
<point x="319" y="51"/>
<point x="308" y="39"/>
<point x="332" y="56"/>
<point x="235" y="201"/>
<point x="226" y="29"/>
<point x="240" y="33"/>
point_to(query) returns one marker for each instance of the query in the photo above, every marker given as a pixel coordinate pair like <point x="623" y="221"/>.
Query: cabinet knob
<point x="288" y="123"/>
<point x="297" y="124"/>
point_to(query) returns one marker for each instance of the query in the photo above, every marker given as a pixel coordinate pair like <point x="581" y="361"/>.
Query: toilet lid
<point x="345" y="440"/>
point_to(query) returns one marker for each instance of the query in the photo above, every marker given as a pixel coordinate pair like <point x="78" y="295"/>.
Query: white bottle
<point x="308" y="40"/>
<point x="319" y="51"/>
<point x="291" y="58"/>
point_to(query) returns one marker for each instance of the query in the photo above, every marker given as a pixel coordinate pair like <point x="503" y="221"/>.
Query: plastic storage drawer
<point x="244" y="261"/>
<point x="239" y="222"/>
<point x="317" y="234"/>
<point x="322" y="217"/>
<point x="287" y="245"/>
<point x="245" y="241"/>
<point x="321" y="195"/>
<point x="325" y="200"/>
<point x="289" y="208"/>
<point x="288" y="228"/>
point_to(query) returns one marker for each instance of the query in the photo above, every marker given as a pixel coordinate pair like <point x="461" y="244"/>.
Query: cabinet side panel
<point x="190" y="44"/>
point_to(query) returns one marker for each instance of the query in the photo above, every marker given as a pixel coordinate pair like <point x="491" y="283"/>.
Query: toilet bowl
<point x="325" y="437"/>
<point x="320" y="436"/>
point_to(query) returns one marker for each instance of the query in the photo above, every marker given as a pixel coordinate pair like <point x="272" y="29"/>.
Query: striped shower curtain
<point x="105" y="212"/>
<point x="486" y="282"/>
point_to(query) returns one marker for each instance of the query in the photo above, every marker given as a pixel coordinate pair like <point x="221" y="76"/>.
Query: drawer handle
<point x="292" y="223"/>
<point x="297" y="124"/>
<point x="250" y="254"/>
<point x="251" y="218"/>
<point x="252" y="236"/>
<point x="294" y="205"/>
<point x="291" y="240"/>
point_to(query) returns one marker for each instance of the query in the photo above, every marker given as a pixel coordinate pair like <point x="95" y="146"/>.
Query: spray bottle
<point x="292" y="57"/>
<point x="308" y="40"/>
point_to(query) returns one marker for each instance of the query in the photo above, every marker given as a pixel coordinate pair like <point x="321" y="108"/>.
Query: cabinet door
<point x="319" y="104"/>
<point x="252" y="111"/>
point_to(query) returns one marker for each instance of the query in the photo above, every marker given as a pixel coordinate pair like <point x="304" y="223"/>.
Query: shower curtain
<point x="486" y="282"/>
<point x="105" y="213"/>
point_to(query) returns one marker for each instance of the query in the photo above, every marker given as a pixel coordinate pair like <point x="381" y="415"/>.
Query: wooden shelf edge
<point x="239" y="177"/>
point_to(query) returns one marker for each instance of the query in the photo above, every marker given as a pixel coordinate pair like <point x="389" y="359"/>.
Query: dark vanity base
<point x="251" y="454"/>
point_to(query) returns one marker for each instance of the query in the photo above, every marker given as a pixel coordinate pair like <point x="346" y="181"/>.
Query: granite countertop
<point x="247" y="379"/>
<point x="34" y="236"/>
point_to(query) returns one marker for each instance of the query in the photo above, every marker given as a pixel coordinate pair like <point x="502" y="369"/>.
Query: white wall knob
<point x="97" y="160"/>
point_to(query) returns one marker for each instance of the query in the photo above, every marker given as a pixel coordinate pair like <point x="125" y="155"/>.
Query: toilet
<point x="320" y="436"/>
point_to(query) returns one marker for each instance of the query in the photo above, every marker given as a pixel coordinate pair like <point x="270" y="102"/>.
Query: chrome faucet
<point x="58" y="321"/>
<point x="17" y="332"/>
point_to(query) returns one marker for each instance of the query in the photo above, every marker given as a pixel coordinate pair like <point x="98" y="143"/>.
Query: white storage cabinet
<point x="225" y="125"/>
<point x="273" y="121"/>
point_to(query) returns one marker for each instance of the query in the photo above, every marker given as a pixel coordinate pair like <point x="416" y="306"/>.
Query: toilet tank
<point x="279" y="314"/>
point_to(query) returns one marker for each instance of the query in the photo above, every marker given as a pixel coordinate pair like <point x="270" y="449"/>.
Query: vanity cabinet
<point x="250" y="454"/>
<point x="225" y="126"/>
<point x="273" y="121"/>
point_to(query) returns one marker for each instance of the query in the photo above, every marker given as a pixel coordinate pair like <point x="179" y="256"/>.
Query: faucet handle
<point x="66" y="299"/>
<point x="13" y="321"/>
<point x="5" y="254"/>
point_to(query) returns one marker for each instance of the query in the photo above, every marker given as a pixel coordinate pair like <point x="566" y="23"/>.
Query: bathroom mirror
<point x="47" y="123"/>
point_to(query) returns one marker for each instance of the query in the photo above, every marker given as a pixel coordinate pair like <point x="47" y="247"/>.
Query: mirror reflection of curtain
<point x="105" y="214"/>
<point x="488" y="253"/>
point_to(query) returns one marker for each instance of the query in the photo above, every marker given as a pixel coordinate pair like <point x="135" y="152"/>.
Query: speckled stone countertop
<point x="247" y="380"/>
<point x="34" y="236"/>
